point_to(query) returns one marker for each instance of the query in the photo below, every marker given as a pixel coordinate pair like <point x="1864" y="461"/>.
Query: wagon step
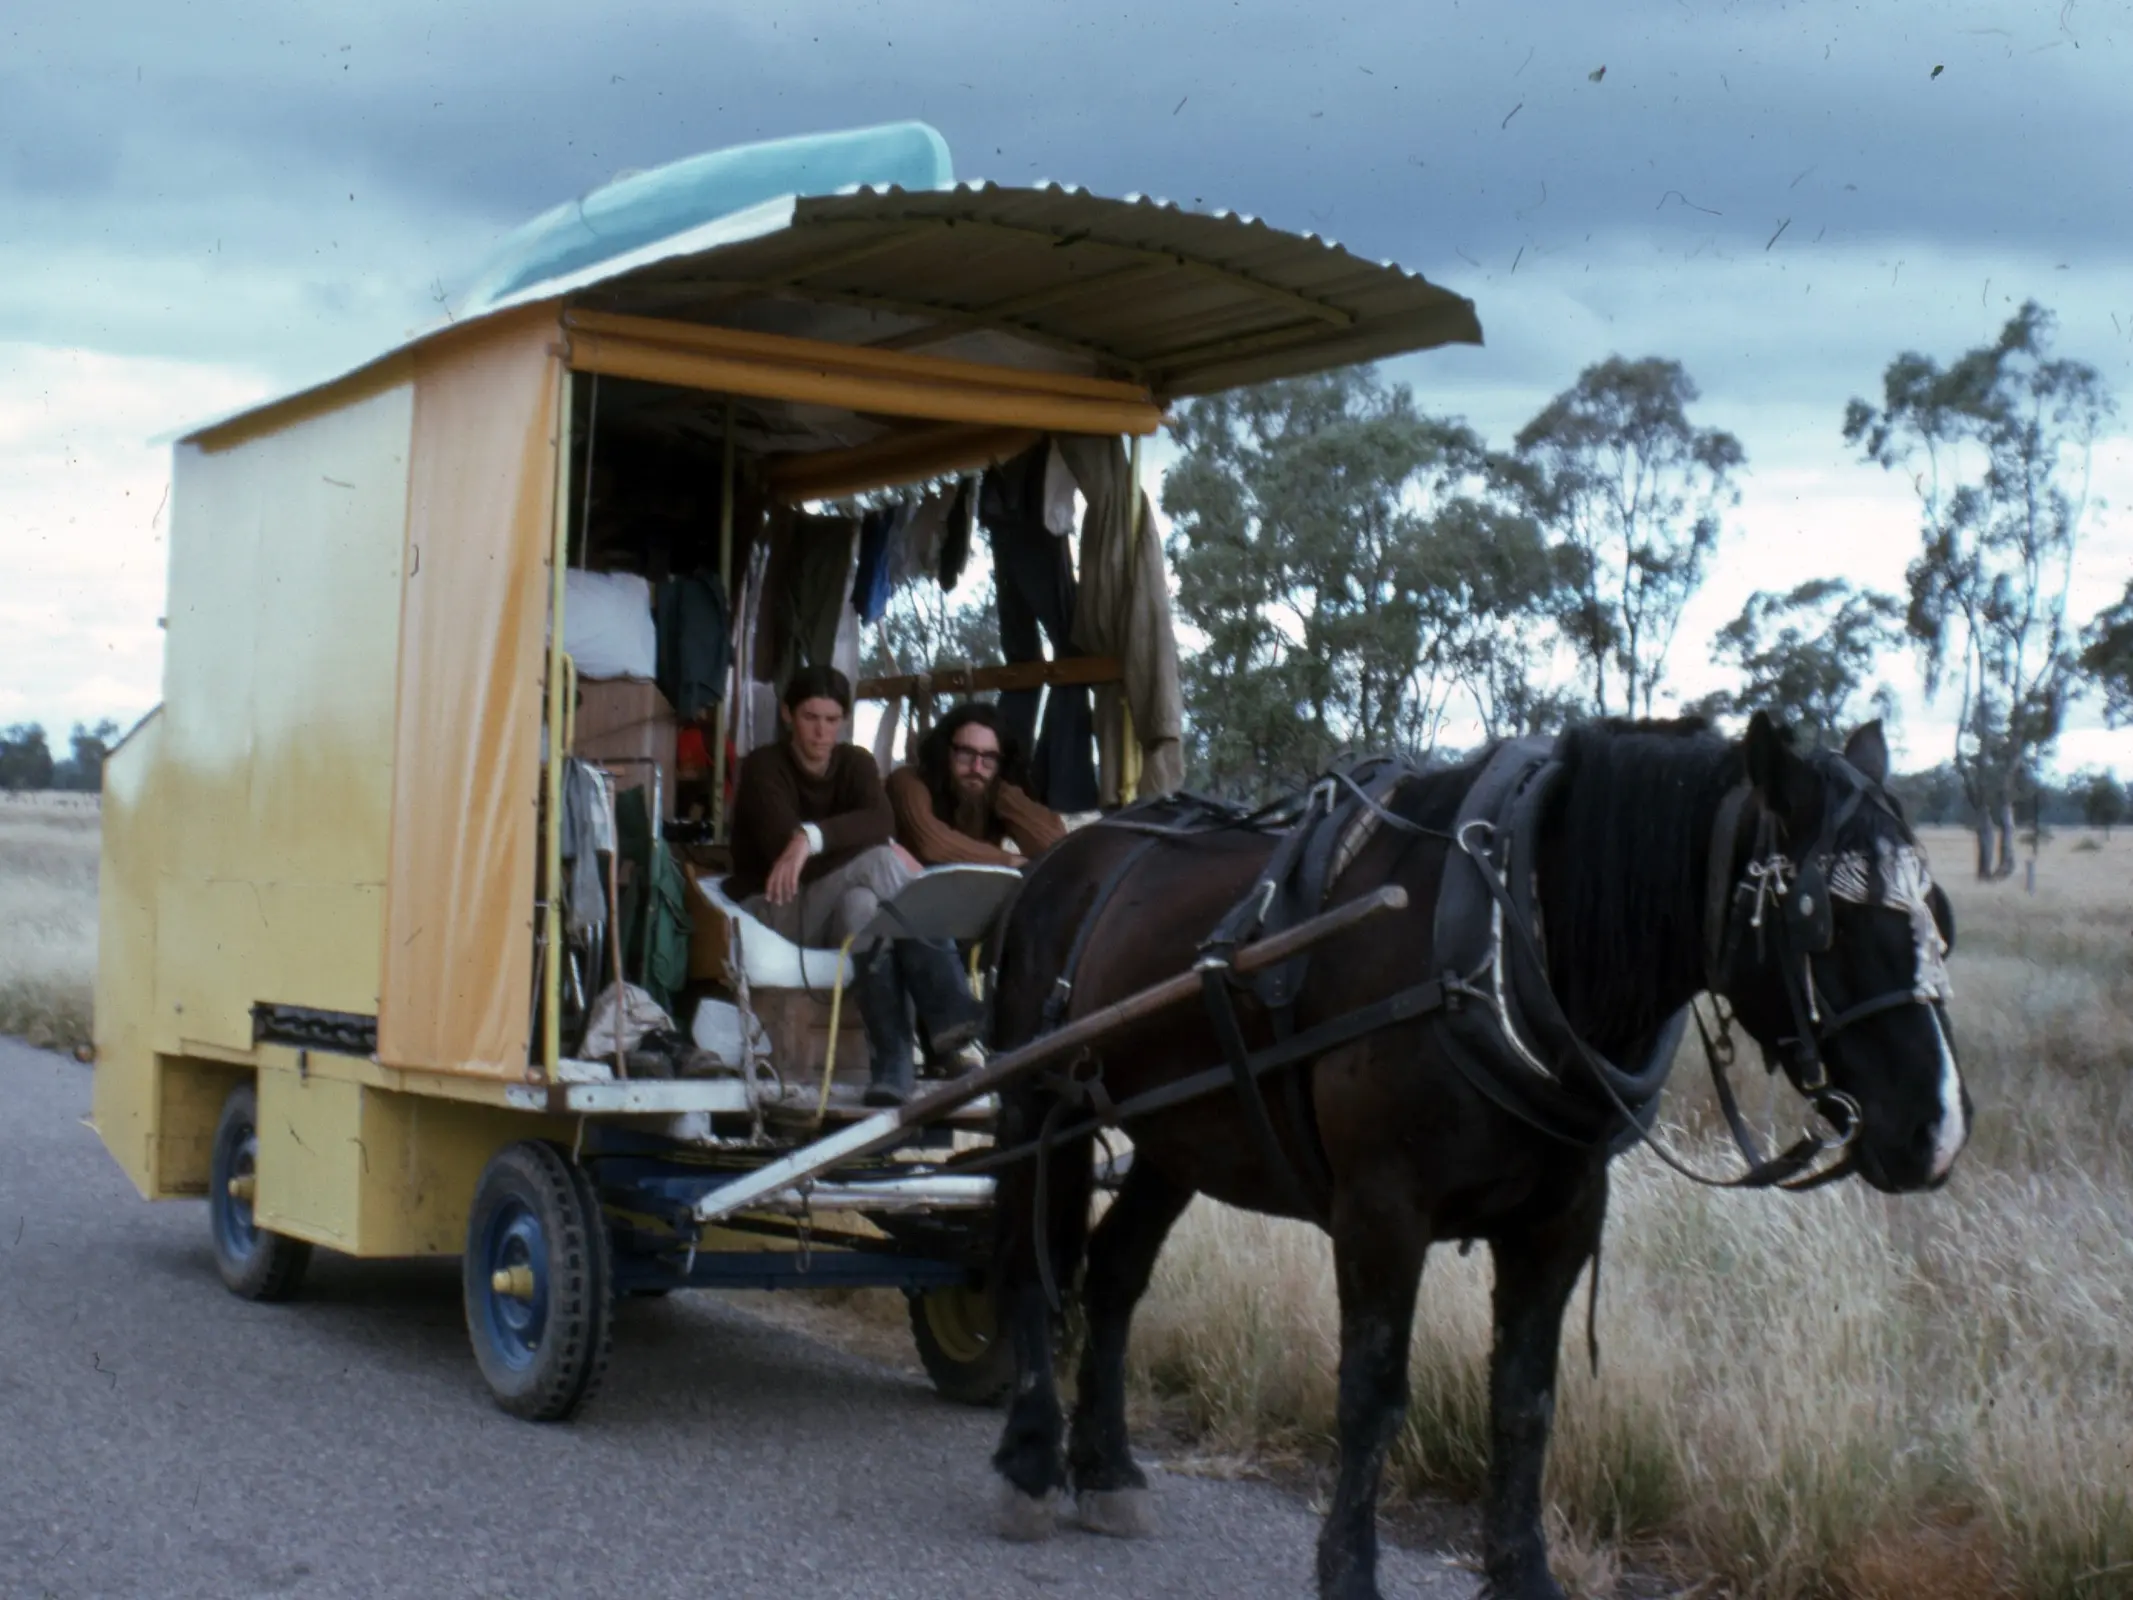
<point x="886" y="1128"/>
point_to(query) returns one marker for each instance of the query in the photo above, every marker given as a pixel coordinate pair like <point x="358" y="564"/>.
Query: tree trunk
<point x="2004" y="825"/>
<point x="1983" y="827"/>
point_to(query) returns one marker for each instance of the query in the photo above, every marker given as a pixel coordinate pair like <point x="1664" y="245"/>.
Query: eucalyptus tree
<point x="1805" y="656"/>
<point x="1637" y="492"/>
<point x="1997" y="446"/>
<point x="1350" y="566"/>
<point x="2107" y="658"/>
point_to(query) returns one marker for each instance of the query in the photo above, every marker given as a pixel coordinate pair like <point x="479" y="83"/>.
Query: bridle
<point x="1784" y="907"/>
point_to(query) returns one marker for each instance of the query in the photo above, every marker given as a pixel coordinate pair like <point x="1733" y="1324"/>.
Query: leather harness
<point x="1490" y="1004"/>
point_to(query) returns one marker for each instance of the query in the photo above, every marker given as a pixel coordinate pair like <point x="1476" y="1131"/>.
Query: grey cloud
<point x="207" y="149"/>
<point x="1298" y="116"/>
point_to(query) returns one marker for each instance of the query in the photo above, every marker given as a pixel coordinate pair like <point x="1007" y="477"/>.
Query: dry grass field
<point x="47" y="917"/>
<point x="1830" y="1395"/>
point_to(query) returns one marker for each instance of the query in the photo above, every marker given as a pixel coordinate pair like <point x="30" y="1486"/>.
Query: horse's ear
<point x="1783" y="780"/>
<point x="1868" y="750"/>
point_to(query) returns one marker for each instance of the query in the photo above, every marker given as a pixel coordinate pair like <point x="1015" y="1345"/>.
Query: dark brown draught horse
<point x="1661" y="861"/>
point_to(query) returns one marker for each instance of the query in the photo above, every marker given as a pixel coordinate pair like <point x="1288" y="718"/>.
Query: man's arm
<point x="766" y="808"/>
<point x="926" y="836"/>
<point x="863" y="816"/>
<point x="1033" y="827"/>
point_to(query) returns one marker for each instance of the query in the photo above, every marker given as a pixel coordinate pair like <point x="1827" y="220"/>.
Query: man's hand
<point x="784" y="880"/>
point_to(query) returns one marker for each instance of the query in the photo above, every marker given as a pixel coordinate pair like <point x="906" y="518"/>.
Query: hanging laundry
<point x="588" y="834"/>
<point x="955" y="538"/>
<point x="695" y="642"/>
<point x="1058" y="492"/>
<point x="1123" y="609"/>
<point x="880" y="538"/>
<point x="1033" y="579"/>
<point x="918" y="554"/>
<point x="655" y="913"/>
<point x="812" y="591"/>
<point x="844" y="652"/>
<point x="885" y="734"/>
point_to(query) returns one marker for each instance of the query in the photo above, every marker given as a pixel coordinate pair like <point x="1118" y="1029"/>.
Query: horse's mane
<point x="1622" y="875"/>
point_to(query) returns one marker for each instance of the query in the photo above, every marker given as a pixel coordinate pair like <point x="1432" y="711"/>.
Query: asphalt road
<point x="160" y="1438"/>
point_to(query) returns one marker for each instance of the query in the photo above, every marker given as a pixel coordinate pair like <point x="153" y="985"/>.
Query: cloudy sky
<point x="209" y="203"/>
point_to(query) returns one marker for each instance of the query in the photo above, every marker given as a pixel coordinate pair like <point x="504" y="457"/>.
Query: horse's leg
<point x="1378" y="1247"/>
<point x="1111" y="1493"/>
<point x="1029" y="1457"/>
<point x="1536" y="1268"/>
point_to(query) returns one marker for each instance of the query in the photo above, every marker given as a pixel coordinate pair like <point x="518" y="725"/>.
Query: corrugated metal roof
<point x="1186" y="302"/>
<point x="1050" y="277"/>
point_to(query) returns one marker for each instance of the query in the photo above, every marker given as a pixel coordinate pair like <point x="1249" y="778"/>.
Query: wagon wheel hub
<point x="515" y="1283"/>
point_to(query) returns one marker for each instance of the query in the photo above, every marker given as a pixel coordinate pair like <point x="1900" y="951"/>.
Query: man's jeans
<point x="888" y="979"/>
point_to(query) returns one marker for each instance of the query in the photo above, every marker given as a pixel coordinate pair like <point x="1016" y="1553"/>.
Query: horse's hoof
<point x="1024" y="1518"/>
<point x="1117" y="1513"/>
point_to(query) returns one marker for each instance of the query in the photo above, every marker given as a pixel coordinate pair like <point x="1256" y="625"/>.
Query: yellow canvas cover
<point x="458" y="948"/>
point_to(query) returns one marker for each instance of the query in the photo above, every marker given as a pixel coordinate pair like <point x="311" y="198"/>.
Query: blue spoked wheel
<point x="538" y="1282"/>
<point x="255" y="1263"/>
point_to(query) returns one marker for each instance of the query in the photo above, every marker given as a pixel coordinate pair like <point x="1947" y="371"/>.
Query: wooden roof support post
<point x="725" y="579"/>
<point x="1129" y="744"/>
<point x="551" y="962"/>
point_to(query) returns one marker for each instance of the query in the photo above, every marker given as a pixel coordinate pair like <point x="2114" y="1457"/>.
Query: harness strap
<point x="1719" y="884"/>
<point x="1417" y="1000"/>
<point x="1868" y="1008"/>
<point x="1215" y="977"/>
<point x="1062" y="995"/>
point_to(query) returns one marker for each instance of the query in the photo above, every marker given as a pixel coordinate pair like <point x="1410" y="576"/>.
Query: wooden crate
<point x="797" y="1021"/>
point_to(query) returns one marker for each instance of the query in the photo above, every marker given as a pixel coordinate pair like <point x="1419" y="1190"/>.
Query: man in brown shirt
<point x="962" y="800"/>
<point x="813" y="860"/>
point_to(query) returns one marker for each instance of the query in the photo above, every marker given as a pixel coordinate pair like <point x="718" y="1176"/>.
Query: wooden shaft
<point x="973" y="680"/>
<point x="729" y="587"/>
<point x="880" y="1131"/>
<point x="552" y="953"/>
<point x="614" y="946"/>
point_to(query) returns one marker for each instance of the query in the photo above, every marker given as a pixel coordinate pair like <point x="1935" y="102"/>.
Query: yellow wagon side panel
<point x="373" y="1171"/>
<point x="124" y="1096"/>
<point x="276" y="751"/>
<point x="458" y="949"/>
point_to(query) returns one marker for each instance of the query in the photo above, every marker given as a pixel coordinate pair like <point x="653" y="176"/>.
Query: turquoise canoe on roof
<point x="647" y="207"/>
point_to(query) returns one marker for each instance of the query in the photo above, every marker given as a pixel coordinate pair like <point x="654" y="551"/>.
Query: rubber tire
<point x="958" y="1344"/>
<point x="273" y="1266"/>
<point x="568" y="1361"/>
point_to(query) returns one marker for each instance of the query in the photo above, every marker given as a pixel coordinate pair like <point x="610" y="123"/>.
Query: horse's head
<point x="1831" y="949"/>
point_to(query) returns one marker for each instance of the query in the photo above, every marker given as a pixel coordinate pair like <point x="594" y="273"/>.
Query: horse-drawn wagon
<point x="353" y="936"/>
<point x="417" y="846"/>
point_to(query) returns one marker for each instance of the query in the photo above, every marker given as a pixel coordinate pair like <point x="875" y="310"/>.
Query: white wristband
<point x="813" y="835"/>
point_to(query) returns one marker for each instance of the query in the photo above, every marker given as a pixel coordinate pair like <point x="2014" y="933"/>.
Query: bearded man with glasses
<point x="963" y="800"/>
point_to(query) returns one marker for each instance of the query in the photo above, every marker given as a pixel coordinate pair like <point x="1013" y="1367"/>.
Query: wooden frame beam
<point x="853" y="377"/>
<point x="899" y="459"/>
<point x="979" y="680"/>
<point x="923" y="311"/>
